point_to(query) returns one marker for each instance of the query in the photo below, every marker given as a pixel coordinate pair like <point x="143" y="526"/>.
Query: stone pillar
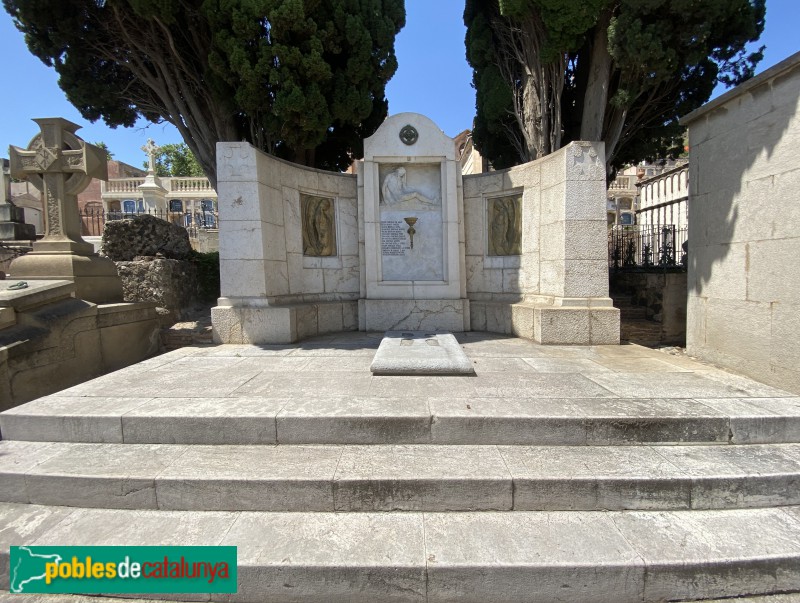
<point x="61" y="165"/>
<point x="154" y="195"/>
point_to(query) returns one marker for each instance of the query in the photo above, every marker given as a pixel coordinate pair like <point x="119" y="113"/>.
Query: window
<point x="132" y="206"/>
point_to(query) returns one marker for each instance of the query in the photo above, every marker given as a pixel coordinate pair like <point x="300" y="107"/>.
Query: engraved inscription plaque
<point x="394" y="241"/>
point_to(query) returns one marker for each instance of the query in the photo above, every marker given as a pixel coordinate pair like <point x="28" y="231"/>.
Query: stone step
<point x="399" y="477"/>
<point x="578" y="556"/>
<point x="699" y="417"/>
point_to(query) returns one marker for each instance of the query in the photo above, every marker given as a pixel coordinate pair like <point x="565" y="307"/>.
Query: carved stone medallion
<point x="409" y="134"/>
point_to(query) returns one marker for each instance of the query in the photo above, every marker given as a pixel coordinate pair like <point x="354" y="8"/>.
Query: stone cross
<point x="60" y="165"/>
<point x="152" y="150"/>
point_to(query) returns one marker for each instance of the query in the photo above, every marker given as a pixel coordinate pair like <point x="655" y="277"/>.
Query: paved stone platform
<point x="556" y="473"/>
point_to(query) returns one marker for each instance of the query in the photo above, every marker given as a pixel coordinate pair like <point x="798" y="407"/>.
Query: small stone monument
<point x="409" y="244"/>
<point x="61" y="165"/>
<point x="414" y="274"/>
<point x="154" y="195"/>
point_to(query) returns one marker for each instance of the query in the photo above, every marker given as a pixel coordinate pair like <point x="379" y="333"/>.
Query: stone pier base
<point x="252" y="322"/>
<point x="548" y="324"/>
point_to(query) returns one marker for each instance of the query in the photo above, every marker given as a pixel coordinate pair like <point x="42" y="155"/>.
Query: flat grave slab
<point x="420" y="353"/>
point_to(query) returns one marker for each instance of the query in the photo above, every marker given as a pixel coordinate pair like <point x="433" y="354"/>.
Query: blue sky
<point x="433" y="78"/>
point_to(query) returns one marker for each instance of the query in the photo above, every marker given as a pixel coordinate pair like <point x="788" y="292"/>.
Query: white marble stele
<point x="554" y="291"/>
<point x="419" y="288"/>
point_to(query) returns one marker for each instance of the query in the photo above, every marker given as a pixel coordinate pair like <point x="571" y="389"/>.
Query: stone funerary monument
<point x="408" y="243"/>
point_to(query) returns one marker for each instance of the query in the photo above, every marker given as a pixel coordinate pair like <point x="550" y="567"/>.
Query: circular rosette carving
<point x="409" y="134"/>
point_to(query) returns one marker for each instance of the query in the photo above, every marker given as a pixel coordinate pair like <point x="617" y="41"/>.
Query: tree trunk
<point x="596" y="96"/>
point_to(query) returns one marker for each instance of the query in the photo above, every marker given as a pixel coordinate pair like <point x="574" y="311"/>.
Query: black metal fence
<point x="634" y="247"/>
<point x="93" y="220"/>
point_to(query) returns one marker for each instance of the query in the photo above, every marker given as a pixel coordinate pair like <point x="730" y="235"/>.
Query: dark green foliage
<point x="665" y="57"/>
<point x="208" y="283"/>
<point x="176" y="160"/>
<point x="303" y="79"/>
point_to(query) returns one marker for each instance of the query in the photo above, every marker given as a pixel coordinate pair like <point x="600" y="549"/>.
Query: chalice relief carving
<point x="318" y="225"/>
<point x="396" y="194"/>
<point x="505" y="225"/>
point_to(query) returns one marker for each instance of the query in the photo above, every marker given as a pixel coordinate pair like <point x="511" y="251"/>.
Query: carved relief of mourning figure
<point x="505" y="225"/>
<point x="319" y="226"/>
<point x="395" y="192"/>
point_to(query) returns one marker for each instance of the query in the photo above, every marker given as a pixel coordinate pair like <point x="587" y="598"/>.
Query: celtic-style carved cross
<point x="152" y="150"/>
<point x="61" y="165"/>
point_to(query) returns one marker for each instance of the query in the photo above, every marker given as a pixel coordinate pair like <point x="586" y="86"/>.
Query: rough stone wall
<point x="151" y="257"/>
<point x="144" y="235"/>
<point x="744" y="294"/>
<point x="171" y="284"/>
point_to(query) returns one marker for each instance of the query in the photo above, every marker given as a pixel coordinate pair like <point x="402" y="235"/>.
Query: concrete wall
<point x="744" y="214"/>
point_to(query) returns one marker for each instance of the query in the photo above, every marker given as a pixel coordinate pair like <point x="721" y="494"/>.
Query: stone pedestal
<point x="61" y="165"/>
<point x="154" y="196"/>
<point x="12" y="224"/>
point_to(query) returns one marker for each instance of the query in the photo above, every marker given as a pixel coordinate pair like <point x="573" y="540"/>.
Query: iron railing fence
<point x="636" y="247"/>
<point x="93" y="220"/>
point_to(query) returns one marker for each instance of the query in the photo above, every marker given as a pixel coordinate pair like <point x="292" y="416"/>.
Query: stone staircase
<point x="598" y="474"/>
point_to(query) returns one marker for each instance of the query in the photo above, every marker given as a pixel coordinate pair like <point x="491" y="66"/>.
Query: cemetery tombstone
<point x="61" y="165"/>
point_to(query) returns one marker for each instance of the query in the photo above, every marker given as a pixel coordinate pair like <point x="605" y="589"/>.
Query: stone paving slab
<point x="70" y="418"/>
<point x="530" y="557"/>
<point x="420" y="353"/>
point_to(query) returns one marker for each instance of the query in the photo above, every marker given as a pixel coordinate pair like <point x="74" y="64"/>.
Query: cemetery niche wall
<point x="408" y="243"/>
<point x="743" y="309"/>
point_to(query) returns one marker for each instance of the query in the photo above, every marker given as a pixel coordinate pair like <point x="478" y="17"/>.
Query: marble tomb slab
<point x="420" y="353"/>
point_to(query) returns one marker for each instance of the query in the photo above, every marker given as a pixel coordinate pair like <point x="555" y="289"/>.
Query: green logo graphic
<point x="122" y="569"/>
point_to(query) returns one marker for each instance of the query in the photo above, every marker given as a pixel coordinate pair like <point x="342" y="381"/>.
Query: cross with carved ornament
<point x="152" y="149"/>
<point x="60" y="165"/>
